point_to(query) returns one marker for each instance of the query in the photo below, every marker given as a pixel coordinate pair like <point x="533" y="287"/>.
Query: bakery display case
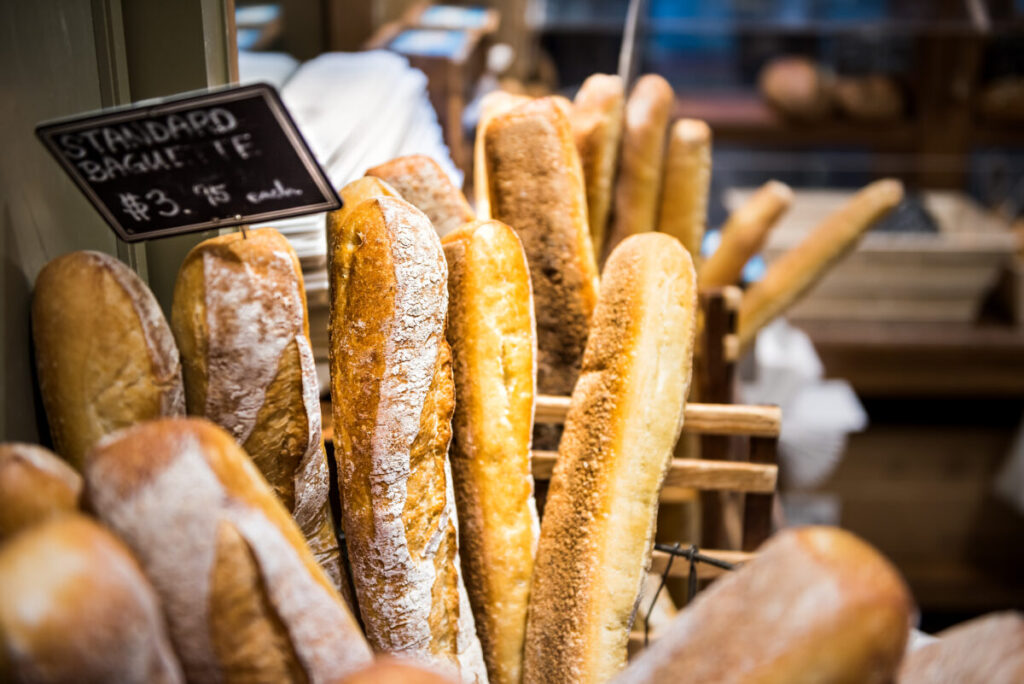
<point x="638" y="342"/>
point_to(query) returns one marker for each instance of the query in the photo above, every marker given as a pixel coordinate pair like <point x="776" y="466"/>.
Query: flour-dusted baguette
<point x="392" y="397"/>
<point x="74" y="607"/>
<point x="492" y="104"/>
<point x="624" y="418"/>
<point x="817" y="604"/>
<point x="639" y="180"/>
<point x="596" y="119"/>
<point x="244" y="597"/>
<point x="792" y="274"/>
<point x="491" y="333"/>
<point x="684" y="198"/>
<point x="536" y="187"/>
<point x="241" y="323"/>
<point x="105" y="354"/>
<point x="744" y="234"/>
<point x="985" y="650"/>
<point x="34" y="485"/>
<point x="357" y="191"/>
<point x="423" y="183"/>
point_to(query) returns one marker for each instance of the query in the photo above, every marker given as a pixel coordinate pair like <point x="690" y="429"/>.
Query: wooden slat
<point x="710" y="419"/>
<point x="694" y="473"/>
<point x="681" y="567"/>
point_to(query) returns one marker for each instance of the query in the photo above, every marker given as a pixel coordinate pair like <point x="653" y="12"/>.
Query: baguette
<point x="536" y="187"/>
<point x="985" y="650"/>
<point x="74" y="607"/>
<point x="491" y="333"/>
<point x="684" y="200"/>
<point x="638" y="185"/>
<point x="357" y="191"/>
<point x="796" y="271"/>
<point x="815" y="605"/>
<point x="744" y="234"/>
<point x="104" y="352"/>
<point x="492" y="104"/>
<point x="244" y="597"/>
<point x="241" y="322"/>
<point x="624" y="418"/>
<point x="423" y="183"/>
<point x="34" y="485"/>
<point x="596" y="120"/>
<point x="392" y="398"/>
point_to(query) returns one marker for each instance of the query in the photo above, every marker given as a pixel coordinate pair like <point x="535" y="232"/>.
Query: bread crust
<point x="684" y="201"/>
<point x="596" y="119"/>
<point x="392" y="398"/>
<point x="105" y="355"/>
<point x="624" y="418"/>
<point x="35" y="484"/>
<point x="985" y="650"/>
<point x="817" y="604"/>
<point x="492" y="335"/>
<point x="75" y="607"/>
<point x="492" y="104"/>
<point x="536" y="187"/>
<point x="241" y="322"/>
<point x="211" y="535"/>
<point x="744" y="234"/>
<point x="796" y="271"/>
<point x="639" y="181"/>
<point x="423" y="183"/>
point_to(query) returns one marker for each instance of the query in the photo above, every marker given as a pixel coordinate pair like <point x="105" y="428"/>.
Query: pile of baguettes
<point x="204" y="548"/>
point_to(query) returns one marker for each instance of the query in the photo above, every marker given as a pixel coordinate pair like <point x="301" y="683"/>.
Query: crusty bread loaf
<point x="423" y="183"/>
<point x="536" y="187"/>
<point x="392" y="397"/>
<point x="491" y="333"/>
<point x="744" y="234"/>
<point x="986" y="650"/>
<point x="684" y="198"/>
<point x="74" y="607"/>
<point x="34" y="485"/>
<point x="817" y="604"/>
<point x="624" y="418"/>
<point x="241" y="322"/>
<point x="245" y="599"/>
<point x="792" y="274"/>
<point x="596" y="119"/>
<point x="639" y="180"/>
<point x="492" y="104"/>
<point x="391" y="671"/>
<point x="357" y="191"/>
<point x="105" y="354"/>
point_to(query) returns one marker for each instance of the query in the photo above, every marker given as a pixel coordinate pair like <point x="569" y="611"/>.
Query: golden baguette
<point x="423" y="183"/>
<point x="638" y="185"/>
<point x="744" y="234"/>
<point x="816" y="604"/>
<point x="355" y="192"/>
<point x="792" y="274"/>
<point x="624" y="418"/>
<point x="493" y="104"/>
<point x="596" y="119"/>
<point x="491" y="332"/>
<point x="684" y="198"/>
<point x="536" y="187"/>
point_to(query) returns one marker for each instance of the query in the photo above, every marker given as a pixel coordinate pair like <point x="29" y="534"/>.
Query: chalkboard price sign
<point x="193" y="163"/>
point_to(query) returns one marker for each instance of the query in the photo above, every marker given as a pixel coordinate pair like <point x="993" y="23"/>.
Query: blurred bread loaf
<point x="874" y="97"/>
<point x="623" y="422"/>
<point x="988" y="649"/>
<point x="34" y="485"/>
<point x="392" y="398"/>
<point x="596" y="118"/>
<point x="423" y="183"/>
<point x="104" y="352"/>
<point x="797" y="88"/>
<point x="244" y="597"/>
<point x="536" y="187"/>
<point x="491" y="333"/>
<point x="75" y="607"/>
<point x="815" y="605"/>
<point x="684" y="198"/>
